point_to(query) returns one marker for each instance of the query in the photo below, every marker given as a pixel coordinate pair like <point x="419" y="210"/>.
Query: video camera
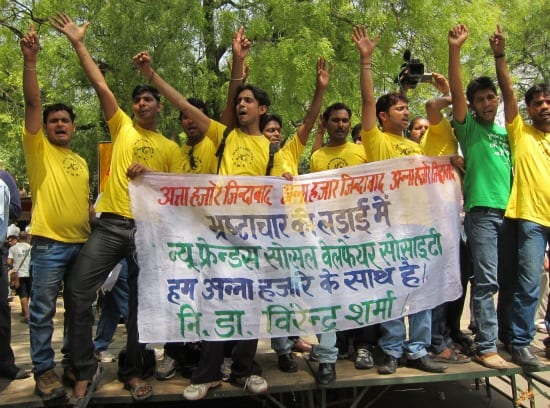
<point x="412" y="72"/>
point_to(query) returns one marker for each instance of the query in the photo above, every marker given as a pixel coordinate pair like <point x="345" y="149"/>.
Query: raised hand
<point x="142" y="62"/>
<point x="458" y="35"/>
<point x="364" y="44"/>
<point x="30" y="44"/>
<point x="440" y="83"/>
<point x="497" y="41"/>
<point x="323" y="73"/>
<point x="63" y="23"/>
<point x="240" y="44"/>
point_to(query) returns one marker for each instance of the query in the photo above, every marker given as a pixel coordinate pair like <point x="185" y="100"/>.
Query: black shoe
<point x="327" y="373"/>
<point x="425" y="363"/>
<point x="526" y="359"/>
<point x="287" y="363"/>
<point x="389" y="365"/>
<point x="14" y="373"/>
<point x="68" y="377"/>
<point x="363" y="359"/>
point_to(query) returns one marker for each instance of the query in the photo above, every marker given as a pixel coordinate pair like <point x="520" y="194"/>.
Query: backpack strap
<point x="221" y="147"/>
<point x="273" y="148"/>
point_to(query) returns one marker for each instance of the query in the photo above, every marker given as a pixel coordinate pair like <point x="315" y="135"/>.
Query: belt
<point x="487" y="210"/>
<point x="113" y="216"/>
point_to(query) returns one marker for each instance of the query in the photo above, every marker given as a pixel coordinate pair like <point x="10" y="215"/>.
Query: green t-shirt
<point x="486" y="152"/>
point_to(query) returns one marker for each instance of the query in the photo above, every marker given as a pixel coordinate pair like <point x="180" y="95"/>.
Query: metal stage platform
<point x="353" y="388"/>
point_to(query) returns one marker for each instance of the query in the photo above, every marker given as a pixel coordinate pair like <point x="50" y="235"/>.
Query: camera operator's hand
<point x="440" y="83"/>
<point x="457" y="35"/>
<point x="497" y="41"/>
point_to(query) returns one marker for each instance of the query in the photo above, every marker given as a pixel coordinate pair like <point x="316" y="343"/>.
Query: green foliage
<point x="190" y="42"/>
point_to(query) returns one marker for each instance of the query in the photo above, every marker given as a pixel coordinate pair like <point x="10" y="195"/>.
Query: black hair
<point x="56" y="107"/>
<point x="356" y="132"/>
<point x="334" y="107"/>
<point x="260" y="95"/>
<point x="142" y="88"/>
<point x="479" y="84"/>
<point x="198" y="103"/>
<point x="265" y="119"/>
<point x="543" y="88"/>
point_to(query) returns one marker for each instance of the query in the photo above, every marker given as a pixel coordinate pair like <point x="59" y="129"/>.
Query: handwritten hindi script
<point x="255" y="257"/>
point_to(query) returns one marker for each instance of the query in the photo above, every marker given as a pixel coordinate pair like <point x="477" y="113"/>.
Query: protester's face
<point x="485" y="105"/>
<point x="539" y="111"/>
<point x="396" y="119"/>
<point x="12" y="241"/>
<point x="272" y="131"/>
<point x="419" y="128"/>
<point x="59" y="128"/>
<point x="146" y="107"/>
<point x="338" y="126"/>
<point x="248" y="108"/>
<point x="190" y="128"/>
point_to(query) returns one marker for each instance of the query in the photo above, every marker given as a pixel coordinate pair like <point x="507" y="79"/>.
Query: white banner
<point x="254" y="257"/>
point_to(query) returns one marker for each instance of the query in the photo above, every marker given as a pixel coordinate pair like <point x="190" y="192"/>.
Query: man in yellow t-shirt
<point x="527" y="215"/>
<point x="293" y="148"/>
<point x="199" y="153"/>
<point x="392" y="111"/>
<point x="245" y="151"/>
<point x="338" y="153"/>
<point x="137" y="148"/>
<point x="59" y="184"/>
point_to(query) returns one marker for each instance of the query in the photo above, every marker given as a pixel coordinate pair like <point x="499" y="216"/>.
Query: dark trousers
<point x="112" y="239"/>
<point x="456" y="307"/>
<point x="7" y="359"/>
<point x="212" y="354"/>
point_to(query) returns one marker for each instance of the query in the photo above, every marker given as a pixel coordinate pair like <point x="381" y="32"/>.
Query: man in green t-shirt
<point x="487" y="182"/>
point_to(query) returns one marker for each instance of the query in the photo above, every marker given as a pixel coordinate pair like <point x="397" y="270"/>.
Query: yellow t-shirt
<point x="530" y="196"/>
<point x="244" y="155"/>
<point x="293" y="149"/>
<point x="132" y="143"/>
<point x="439" y="139"/>
<point x="337" y="157"/>
<point x="204" y="154"/>
<point x="60" y="190"/>
<point x="380" y="145"/>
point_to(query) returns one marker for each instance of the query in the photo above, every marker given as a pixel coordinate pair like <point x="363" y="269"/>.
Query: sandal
<point x="137" y="390"/>
<point x="492" y="360"/>
<point x="451" y="356"/>
<point x="82" y="402"/>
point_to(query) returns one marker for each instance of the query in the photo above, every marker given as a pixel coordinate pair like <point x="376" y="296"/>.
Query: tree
<point x="190" y="44"/>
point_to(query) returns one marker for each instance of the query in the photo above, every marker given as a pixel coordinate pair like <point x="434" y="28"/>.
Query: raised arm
<point x="323" y="78"/>
<point x="30" y="46"/>
<point x="434" y="105"/>
<point x="319" y="135"/>
<point x="366" y="48"/>
<point x="240" y="47"/>
<point x="142" y="62"/>
<point x="497" y="43"/>
<point x="75" y="34"/>
<point x="457" y="35"/>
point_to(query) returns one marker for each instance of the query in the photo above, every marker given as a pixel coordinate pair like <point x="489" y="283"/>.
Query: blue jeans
<point x="51" y="263"/>
<point x="532" y="239"/>
<point x="393" y="336"/>
<point x="483" y="229"/>
<point x="326" y="350"/>
<point x="282" y="345"/>
<point x="441" y="332"/>
<point x="115" y="304"/>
